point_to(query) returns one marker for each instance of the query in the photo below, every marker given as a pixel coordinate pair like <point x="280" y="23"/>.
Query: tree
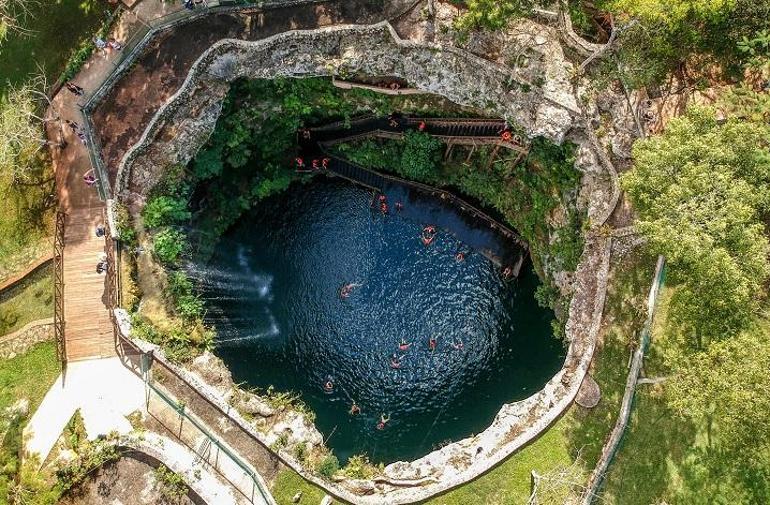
<point x="701" y="191"/>
<point x="24" y="112"/>
<point x="420" y="156"/>
<point x="11" y="11"/>
<point x="727" y="389"/>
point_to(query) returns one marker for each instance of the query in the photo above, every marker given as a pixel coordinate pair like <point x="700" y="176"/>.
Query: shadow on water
<point x="273" y="292"/>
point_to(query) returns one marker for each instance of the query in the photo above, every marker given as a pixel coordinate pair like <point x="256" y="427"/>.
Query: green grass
<point x="510" y="482"/>
<point x="29" y="375"/>
<point x="289" y="482"/>
<point x="55" y="29"/>
<point x="28" y="301"/>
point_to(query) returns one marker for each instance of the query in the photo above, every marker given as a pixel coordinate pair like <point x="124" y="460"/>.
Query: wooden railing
<point x="58" y="289"/>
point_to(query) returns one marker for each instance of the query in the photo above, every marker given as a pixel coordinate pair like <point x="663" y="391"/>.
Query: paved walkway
<point x="87" y="328"/>
<point x="104" y="390"/>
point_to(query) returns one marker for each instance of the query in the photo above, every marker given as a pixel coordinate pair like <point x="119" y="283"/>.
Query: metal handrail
<point x="433" y="190"/>
<point x="179" y="407"/>
<point x="58" y="289"/>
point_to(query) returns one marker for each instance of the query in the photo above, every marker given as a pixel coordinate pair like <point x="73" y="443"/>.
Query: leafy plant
<point x="168" y="245"/>
<point x="165" y="210"/>
<point x="328" y="466"/>
<point x="172" y="485"/>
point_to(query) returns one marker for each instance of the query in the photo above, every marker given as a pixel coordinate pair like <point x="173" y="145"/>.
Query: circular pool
<point x="272" y="290"/>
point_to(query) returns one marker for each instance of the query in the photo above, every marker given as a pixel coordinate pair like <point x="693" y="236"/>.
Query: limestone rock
<point x="213" y="371"/>
<point x="253" y="404"/>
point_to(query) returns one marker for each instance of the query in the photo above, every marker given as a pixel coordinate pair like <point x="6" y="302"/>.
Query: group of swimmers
<point x="315" y="164"/>
<point x="395" y="363"/>
<point x="383" y="200"/>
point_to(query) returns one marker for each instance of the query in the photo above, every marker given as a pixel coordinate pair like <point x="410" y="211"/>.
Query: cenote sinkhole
<point x="272" y="290"/>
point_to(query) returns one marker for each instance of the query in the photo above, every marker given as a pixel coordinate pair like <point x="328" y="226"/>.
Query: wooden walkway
<point x="88" y="330"/>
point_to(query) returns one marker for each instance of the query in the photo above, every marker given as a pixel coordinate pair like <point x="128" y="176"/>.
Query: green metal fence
<point x="610" y="449"/>
<point x="178" y="419"/>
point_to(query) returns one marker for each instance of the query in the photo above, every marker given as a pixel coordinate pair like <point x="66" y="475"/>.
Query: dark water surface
<point x="272" y="291"/>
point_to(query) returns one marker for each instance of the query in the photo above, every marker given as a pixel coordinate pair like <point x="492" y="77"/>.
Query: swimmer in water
<point x="432" y="342"/>
<point x="347" y="289"/>
<point x="458" y="345"/>
<point x="354" y="409"/>
<point x="507" y="272"/>
<point x="399" y="206"/>
<point x="394" y="362"/>
<point x="329" y="384"/>
<point x="404" y="345"/>
<point x="383" y="421"/>
<point x="460" y="256"/>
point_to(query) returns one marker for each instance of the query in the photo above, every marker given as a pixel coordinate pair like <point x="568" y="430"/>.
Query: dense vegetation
<point x="701" y="191"/>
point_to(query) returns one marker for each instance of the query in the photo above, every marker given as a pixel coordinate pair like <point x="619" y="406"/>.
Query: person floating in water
<point x="403" y="346"/>
<point x="384" y="208"/>
<point x="432" y="342"/>
<point x="394" y="362"/>
<point x="347" y="289"/>
<point x="507" y="272"/>
<point x="460" y="256"/>
<point x="458" y="346"/>
<point x="399" y="206"/>
<point x="384" y="420"/>
<point x="329" y="384"/>
<point x="428" y="234"/>
<point x="355" y="409"/>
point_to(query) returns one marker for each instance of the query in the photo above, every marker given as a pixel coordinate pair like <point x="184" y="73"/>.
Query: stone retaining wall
<point x="22" y="340"/>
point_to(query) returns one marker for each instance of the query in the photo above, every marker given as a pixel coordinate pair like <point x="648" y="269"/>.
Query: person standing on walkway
<point x="74" y="88"/>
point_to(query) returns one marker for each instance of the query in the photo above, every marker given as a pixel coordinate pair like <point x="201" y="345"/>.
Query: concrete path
<point x="104" y="390"/>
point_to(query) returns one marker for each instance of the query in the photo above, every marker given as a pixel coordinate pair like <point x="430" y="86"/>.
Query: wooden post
<point x="473" y="149"/>
<point x="492" y="156"/>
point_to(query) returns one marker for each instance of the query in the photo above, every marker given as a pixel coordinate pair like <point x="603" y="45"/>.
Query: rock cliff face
<point x="535" y="93"/>
<point x="537" y="96"/>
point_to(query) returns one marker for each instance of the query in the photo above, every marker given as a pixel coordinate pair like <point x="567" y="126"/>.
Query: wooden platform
<point x="88" y="330"/>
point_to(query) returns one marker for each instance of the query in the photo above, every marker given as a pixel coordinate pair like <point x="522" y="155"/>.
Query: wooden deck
<point x="88" y="330"/>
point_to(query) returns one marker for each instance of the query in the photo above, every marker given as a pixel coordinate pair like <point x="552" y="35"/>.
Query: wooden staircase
<point x="88" y="330"/>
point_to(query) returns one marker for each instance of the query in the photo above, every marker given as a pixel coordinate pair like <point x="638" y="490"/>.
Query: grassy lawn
<point x="55" y="28"/>
<point x="28" y="301"/>
<point x="28" y="376"/>
<point x="661" y="458"/>
<point x="289" y="482"/>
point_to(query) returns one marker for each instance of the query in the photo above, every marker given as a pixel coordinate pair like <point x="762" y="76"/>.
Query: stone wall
<point x="22" y="340"/>
<point x="184" y="123"/>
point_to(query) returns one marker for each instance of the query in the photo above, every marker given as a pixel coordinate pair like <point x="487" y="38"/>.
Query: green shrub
<point x="359" y="467"/>
<point x="328" y="466"/>
<point x="164" y="211"/>
<point x="420" y="157"/>
<point x="168" y="245"/>
<point x="172" y="485"/>
<point x="300" y="451"/>
<point x="124" y="227"/>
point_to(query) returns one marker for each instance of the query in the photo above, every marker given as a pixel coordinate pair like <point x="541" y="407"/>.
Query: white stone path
<point x="104" y="390"/>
